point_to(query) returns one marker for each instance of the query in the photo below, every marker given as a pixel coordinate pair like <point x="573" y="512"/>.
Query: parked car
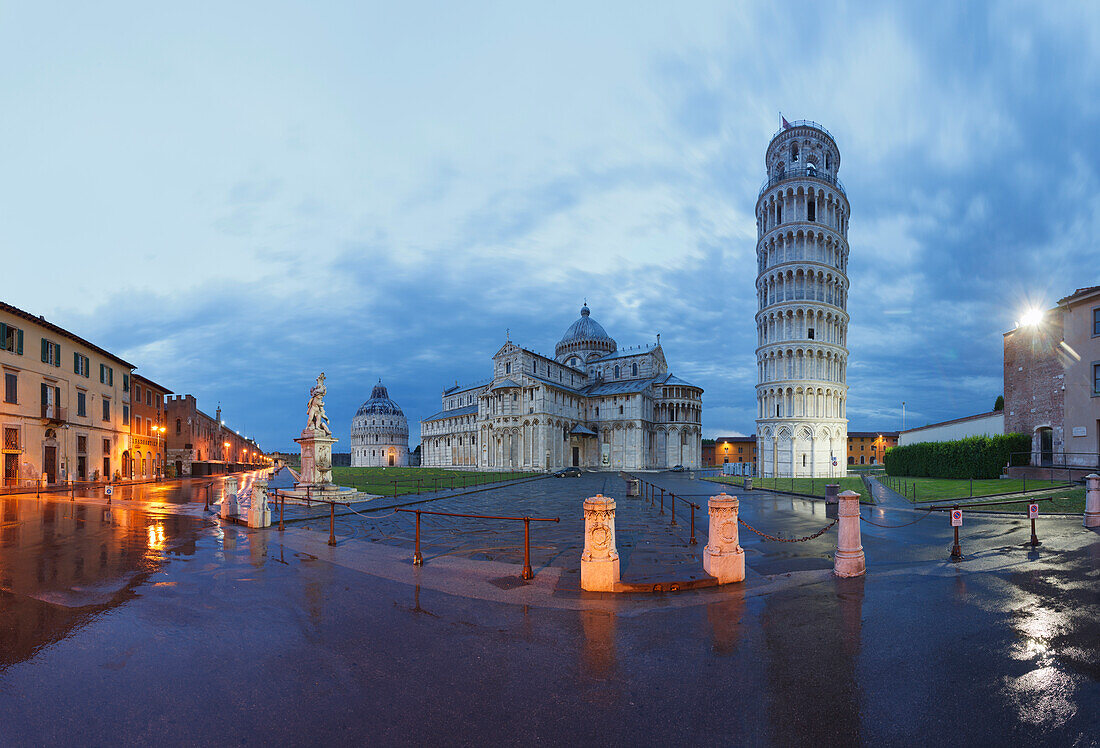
<point x="678" y="468"/>
<point x="569" y="472"/>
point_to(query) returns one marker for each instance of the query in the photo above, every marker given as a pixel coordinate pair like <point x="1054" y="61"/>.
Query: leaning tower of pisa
<point x="802" y="300"/>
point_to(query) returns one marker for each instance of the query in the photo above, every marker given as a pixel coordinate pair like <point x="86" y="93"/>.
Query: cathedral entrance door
<point x="576" y="456"/>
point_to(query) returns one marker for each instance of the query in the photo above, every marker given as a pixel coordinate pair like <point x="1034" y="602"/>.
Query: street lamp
<point x="162" y="452"/>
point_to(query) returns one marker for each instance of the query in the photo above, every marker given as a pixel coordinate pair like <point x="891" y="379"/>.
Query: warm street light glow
<point x="1031" y="317"/>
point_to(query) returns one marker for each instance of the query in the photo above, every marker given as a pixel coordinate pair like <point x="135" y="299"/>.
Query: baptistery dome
<point x="584" y="341"/>
<point x="379" y="432"/>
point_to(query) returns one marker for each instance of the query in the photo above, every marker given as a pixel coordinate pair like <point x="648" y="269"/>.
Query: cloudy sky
<point x="236" y="196"/>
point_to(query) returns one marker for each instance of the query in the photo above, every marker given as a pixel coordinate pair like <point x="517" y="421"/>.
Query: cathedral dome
<point x="379" y="403"/>
<point x="586" y="334"/>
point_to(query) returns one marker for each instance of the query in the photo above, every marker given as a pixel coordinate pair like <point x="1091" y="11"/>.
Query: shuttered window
<point x="51" y="352"/>
<point x="11" y="339"/>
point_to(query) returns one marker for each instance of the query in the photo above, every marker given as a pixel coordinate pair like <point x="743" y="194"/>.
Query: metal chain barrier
<point x="926" y="515"/>
<point x="764" y="535"/>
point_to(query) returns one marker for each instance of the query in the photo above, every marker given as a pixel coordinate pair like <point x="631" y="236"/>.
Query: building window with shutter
<point x="11" y="387"/>
<point x="51" y="352"/>
<point x="82" y="404"/>
<point x="106" y="409"/>
<point x="11" y="339"/>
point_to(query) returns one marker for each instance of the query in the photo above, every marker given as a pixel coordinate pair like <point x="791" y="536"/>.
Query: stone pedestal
<point x="849" y="560"/>
<point x="259" y="512"/>
<point x="723" y="557"/>
<point x="600" y="560"/>
<point x="229" y="501"/>
<point x="316" y="458"/>
<point x="1092" y="500"/>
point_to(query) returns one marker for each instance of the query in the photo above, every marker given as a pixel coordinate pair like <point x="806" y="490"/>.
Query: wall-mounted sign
<point x="1079" y="431"/>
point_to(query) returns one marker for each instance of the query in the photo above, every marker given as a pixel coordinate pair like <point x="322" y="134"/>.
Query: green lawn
<point x="807" y="486"/>
<point x="1067" y="501"/>
<point x="414" y="480"/>
<point x="946" y="489"/>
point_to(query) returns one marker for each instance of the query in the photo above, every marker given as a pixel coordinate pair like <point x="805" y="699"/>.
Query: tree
<point x="1000" y="404"/>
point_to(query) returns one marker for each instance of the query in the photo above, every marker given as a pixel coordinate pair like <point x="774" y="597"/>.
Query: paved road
<point x="133" y="623"/>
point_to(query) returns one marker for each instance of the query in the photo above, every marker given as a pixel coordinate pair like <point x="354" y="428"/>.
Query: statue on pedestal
<point x="316" y="440"/>
<point x="316" y="420"/>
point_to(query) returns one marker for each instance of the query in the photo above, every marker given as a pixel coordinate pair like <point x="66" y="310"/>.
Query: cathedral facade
<point x="593" y="405"/>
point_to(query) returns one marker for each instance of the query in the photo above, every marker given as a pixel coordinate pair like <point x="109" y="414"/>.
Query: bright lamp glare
<point x="1031" y="317"/>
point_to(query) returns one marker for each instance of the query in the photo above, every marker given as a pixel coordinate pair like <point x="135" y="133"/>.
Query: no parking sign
<point x="956" y="518"/>
<point x="1032" y="511"/>
<point x="834" y="462"/>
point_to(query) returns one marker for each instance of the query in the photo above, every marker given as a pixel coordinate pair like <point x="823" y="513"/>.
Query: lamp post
<point x="162" y="452"/>
<point x="225" y="455"/>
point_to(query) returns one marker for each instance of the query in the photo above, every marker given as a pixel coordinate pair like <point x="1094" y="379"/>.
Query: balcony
<point x="805" y="172"/>
<point x="55" y="414"/>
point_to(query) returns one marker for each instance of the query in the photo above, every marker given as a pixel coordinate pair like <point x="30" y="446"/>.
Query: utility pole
<point x="903" y="415"/>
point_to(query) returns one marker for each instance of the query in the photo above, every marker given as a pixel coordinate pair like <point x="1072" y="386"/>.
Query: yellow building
<point x="869" y="447"/>
<point x="66" y="405"/>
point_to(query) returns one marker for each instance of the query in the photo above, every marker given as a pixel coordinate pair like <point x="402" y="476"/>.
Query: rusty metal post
<point x="332" y="523"/>
<point x="206" y="508"/>
<point x="662" y="502"/>
<point x="673" y="497"/>
<point x="72" y="490"/>
<point x="692" y="541"/>
<point x="527" y="574"/>
<point x="282" y="506"/>
<point x="418" y="560"/>
<point x="109" y="497"/>
<point x="1034" y="537"/>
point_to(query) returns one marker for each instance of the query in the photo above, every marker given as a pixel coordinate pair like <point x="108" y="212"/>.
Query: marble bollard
<point x="1092" y="500"/>
<point x="600" y="560"/>
<point x="229" y="500"/>
<point x="849" y="560"/>
<point x="723" y="557"/>
<point x="259" y="512"/>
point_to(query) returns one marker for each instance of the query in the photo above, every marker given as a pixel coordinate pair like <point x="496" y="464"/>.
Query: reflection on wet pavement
<point x="121" y="624"/>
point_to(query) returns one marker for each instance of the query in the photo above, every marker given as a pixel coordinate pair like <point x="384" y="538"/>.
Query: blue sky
<point x="238" y="196"/>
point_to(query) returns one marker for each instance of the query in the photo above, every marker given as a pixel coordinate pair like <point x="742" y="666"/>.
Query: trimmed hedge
<point x="973" y="457"/>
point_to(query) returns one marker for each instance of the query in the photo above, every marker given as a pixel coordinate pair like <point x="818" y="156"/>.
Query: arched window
<point x="827" y="161"/>
<point x="811" y="169"/>
<point x="616" y="372"/>
<point x="778" y="213"/>
<point x="634" y="370"/>
<point x="794" y="152"/>
<point x="177" y="426"/>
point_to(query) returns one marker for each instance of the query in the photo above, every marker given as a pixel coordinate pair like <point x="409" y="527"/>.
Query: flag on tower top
<point x="786" y="124"/>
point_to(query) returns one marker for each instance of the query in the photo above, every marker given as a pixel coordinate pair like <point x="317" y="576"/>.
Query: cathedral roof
<point x="466" y="411"/>
<point x="586" y="330"/>
<point x="379" y="403"/>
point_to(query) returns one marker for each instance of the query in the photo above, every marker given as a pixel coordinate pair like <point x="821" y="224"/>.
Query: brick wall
<point x="1034" y="379"/>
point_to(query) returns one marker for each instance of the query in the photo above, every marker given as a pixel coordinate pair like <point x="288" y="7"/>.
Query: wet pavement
<point x="148" y="621"/>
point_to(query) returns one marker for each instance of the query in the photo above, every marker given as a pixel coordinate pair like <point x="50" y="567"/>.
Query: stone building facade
<point x="201" y="445"/>
<point x="802" y="320"/>
<point x="147" y="454"/>
<point x="379" y="432"/>
<point x="65" y="410"/>
<point x="593" y="405"/>
<point x="1052" y="382"/>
